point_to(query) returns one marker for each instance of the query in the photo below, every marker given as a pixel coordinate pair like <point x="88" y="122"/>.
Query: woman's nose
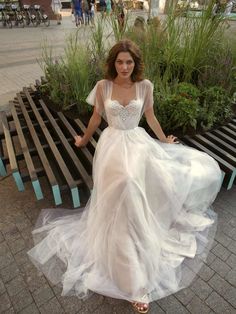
<point x="124" y="66"/>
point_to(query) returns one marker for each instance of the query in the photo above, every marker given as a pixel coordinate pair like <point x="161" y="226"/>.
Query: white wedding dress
<point x="147" y="227"/>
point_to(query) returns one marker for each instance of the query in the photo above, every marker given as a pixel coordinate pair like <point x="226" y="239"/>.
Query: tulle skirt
<point x="146" y="229"/>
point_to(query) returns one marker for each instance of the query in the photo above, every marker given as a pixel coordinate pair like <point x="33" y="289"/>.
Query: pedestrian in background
<point x="86" y="11"/>
<point x="102" y="7"/>
<point x="56" y="8"/>
<point x="108" y="7"/>
<point x="92" y="11"/>
<point x="76" y="6"/>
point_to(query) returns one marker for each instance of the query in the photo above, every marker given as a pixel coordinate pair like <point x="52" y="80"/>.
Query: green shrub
<point x="216" y="107"/>
<point x="188" y="90"/>
<point x="71" y="77"/>
<point x="181" y="58"/>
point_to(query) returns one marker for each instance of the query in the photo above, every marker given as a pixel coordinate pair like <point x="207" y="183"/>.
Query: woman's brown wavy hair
<point x="125" y="45"/>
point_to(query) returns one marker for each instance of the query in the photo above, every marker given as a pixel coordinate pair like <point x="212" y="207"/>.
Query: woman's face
<point x="124" y="65"/>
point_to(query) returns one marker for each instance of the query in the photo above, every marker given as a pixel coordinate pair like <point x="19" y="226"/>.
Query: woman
<point x="146" y="228"/>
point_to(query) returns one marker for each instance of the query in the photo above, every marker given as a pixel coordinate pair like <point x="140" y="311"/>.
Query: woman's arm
<point x="156" y="128"/>
<point x="94" y="122"/>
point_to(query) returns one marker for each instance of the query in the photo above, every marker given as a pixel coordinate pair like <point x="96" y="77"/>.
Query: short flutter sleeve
<point x="147" y="95"/>
<point x="96" y="98"/>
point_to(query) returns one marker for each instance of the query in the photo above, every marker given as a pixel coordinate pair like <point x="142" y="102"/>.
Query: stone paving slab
<point x="23" y="289"/>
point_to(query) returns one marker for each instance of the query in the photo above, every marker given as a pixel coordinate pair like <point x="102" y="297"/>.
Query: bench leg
<point x="75" y="197"/>
<point x="231" y="181"/>
<point x="18" y="180"/>
<point x="3" y="172"/>
<point x="37" y="189"/>
<point x="222" y="177"/>
<point x="56" y="194"/>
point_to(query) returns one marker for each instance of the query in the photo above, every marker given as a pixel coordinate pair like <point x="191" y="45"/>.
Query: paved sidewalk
<point x="25" y="290"/>
<point x="20" y="51"/>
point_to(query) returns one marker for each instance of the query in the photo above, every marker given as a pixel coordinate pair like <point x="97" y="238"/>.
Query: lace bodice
<point x="119" y="116"/>
<point x="123" y="117"/>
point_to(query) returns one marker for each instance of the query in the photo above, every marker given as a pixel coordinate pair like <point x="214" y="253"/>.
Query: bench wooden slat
<point x="11" y="153"/>
<point x="224" y="137"/>
<point x="227" y="130"/>
<point x="50" y="175"/>
<point x="231" y="126"/>
<point x="50" y="141"/>
<point x="83" y="128"/>
<point x="66" y="173"/>
<point x="219" y="151"/>
<point x="24" y="128"/>
<point x="233" y="121"/>
<point x="41" y="172"/>
<point x="229" y="148"/>
<point x="225" y="166"/>
<point x="32" y="150"/>
<point x="27" y="156"/>
<point x="85" y="176"/>
<point x="20" y="114"/>
<point x="73" y="133"/>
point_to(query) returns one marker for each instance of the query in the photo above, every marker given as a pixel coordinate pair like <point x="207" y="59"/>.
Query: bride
<point x="147" y="227"/>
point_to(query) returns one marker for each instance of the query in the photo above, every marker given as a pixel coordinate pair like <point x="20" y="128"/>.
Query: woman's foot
<point x="140" y="307"/>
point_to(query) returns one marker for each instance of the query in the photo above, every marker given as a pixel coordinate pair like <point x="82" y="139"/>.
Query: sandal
<point x="140" y="307"/>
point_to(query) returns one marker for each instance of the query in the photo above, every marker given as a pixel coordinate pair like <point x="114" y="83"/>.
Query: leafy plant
<point x="96" y="42"/>
<point x="219" y="71"/>
<point x="216" y="107"/>
<point x="178" y="110"/>
<point x="188" y="90"/>
<point x="189" y="61"/>
<point x="71" y="77"/>
<point x="118" y="29"/>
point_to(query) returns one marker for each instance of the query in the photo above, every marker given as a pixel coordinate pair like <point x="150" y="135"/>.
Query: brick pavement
<point x="25" y="290"/>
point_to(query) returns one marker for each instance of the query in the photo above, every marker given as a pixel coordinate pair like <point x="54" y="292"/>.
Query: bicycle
<point x="29" y="17"/>
<point x="17" y="16"/>
<point x="40" y="16"/>
<point x="5" y="17"/>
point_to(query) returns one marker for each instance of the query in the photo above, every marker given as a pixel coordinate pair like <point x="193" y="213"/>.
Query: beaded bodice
<point x="123" y="117"/>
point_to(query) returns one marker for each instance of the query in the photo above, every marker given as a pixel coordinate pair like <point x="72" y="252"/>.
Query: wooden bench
<point x="221" y="145"/>
<point x="44" y="141"/>
<point x="46" y="144"/>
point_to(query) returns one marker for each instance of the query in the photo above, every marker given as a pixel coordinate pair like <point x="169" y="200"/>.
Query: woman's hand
<point x="171" y="139"/>
<point x="79" y="141"/>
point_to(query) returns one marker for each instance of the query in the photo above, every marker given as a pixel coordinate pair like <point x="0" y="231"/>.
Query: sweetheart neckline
<point x="129" y="103"/>
<point x="132" y="100"/>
